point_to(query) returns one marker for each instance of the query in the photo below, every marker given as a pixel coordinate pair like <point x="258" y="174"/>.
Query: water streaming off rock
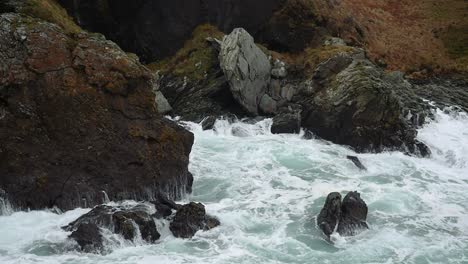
<point x="266" y="190"/>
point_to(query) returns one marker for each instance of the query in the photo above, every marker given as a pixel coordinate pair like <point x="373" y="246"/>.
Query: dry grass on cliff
<point x="50" y="11"/>
<point x="195" y="58"/>
<point x="405" y="34"/>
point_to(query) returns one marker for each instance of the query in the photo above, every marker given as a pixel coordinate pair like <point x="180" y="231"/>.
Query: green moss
<point x="195" y="59"/>
<point x="50" y="11"/>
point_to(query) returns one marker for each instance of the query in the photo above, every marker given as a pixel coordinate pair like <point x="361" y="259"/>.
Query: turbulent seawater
<point x="267" y="189"/>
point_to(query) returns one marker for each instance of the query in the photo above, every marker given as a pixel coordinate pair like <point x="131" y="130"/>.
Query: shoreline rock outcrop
<point x="78" y="116"/>
<point x="138" y="222"/>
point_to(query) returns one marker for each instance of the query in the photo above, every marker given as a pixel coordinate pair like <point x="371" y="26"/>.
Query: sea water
<point x="267" y="190"/>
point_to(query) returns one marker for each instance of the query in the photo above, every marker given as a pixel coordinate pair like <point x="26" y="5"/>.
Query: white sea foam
<point x="266" y="190"/>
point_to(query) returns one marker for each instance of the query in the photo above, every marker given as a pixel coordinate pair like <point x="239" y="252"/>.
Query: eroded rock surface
<point x="246" y="67"/>
<point x="78" y="116"/>
<point x="354" y="103"/>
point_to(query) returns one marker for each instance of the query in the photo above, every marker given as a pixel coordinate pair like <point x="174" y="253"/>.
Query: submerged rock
<point x="89" y="237"/>
<point x="347" y="217"/>
<point x="191" y="218"/>
<point x="246" y="68"/>
<point x="78" y="116"/>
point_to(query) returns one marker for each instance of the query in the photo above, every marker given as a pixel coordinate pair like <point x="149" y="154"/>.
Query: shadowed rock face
<point x="158" y="28"/>
<point x="357" y="104"/>
<point x="191" y="218"/>
<point x="78" y="116"/>
<point x="347" y="217"/>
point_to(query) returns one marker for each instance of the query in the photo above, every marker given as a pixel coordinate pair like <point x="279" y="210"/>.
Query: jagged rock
<point x="246" y="68"/>
<point x="78" y="117"/>
<point x="128" y="221"/>
<point x="356" y="162"/>
<point x="89" y="237"/>
<point x="191" y="218"/>
<point x="355" y="104"/>
<point x="164" y="207"/>
<point x="193" y="81"/>
<point x="208" y="123"/>
<point x="350" y="214"/>
<point x="288" y="121"/>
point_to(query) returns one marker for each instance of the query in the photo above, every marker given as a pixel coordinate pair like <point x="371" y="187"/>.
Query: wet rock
<point x="356" y="162"/>
<point x="164" y="207"/>
<point x="347" y="217"/>
<point x="330" y="214"/>
<point x="78" y="116"/>
<point x="128" y="221"/>
<point x="246" y="68"/>
<point x="353" y="215"/>
<point x="288" y="121"/>
<point x="208" y="123"/>
<point x="355" y="104"/>
<point x="191" y="218"/>
<point x="89" y="237"/>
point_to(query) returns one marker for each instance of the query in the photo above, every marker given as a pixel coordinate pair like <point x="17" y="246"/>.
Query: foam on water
<point x="267" y="189"/>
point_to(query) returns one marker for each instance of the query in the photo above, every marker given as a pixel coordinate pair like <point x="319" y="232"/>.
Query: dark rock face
<point x="78" y="116"/>
<point x="353" y="215"/>
<point x="347" y="216"/>
<point x="288" y="121"/>
<point x="293" y="27"/>
<point x="130" y="222"/>
<point x="330" y="214"/>
<point x="356" y="104"/>
<point x="89" y="237"/>
<point x="158" y="28"/>
<point x="191" y="218"/>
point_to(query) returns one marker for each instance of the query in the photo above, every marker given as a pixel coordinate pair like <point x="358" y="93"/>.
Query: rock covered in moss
<point x="355" y="104"/>
<point x="246" y="67"/>
<point x="78" y="117"/>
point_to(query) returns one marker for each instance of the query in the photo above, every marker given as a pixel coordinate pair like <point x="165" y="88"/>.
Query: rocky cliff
<point x="78" y="117"/>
